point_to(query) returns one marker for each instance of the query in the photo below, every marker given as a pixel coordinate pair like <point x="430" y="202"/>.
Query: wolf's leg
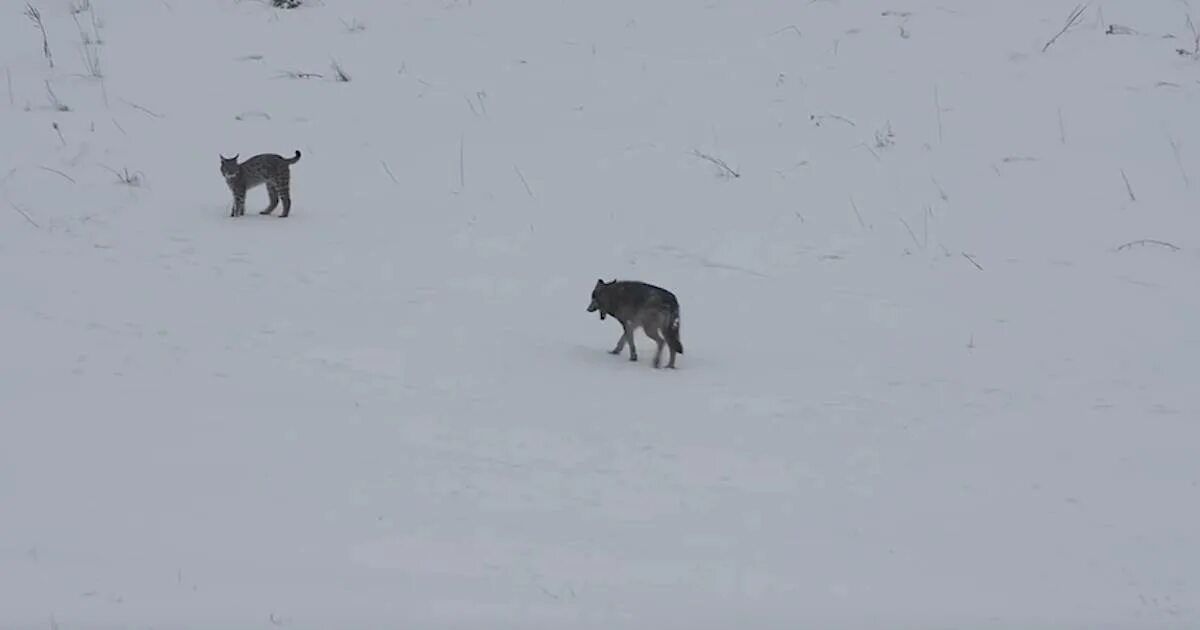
<point x="652" y="332"/>
<point x="630" y="327"/>
<point x="620" y="344"/>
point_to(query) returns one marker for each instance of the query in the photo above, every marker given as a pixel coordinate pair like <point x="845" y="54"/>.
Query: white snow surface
<point x="924" y="386"/>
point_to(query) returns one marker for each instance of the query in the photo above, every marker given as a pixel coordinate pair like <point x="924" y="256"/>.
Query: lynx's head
<point x="229" y="167"/>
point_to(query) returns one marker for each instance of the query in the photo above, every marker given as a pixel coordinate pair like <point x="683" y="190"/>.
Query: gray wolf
<point x="637" y="304"/>
<point x="265" y="168"/>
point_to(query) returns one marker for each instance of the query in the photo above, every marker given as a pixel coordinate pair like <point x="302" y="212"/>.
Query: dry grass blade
<point x="125" y="177"/>
<point x="725" y="169"/>
<point x="1072" y="21"/>
<point x="142" y="109"/>
<point x="21" y="211"/>
<point x="55" y="104"/>
<point x="90" y="42"/>
<point x="524" y="183"/>
<point x="1195" y="51"/>
<point x="1128" y="186"/>
<point x="789" y="27"/>
<point x="819" y="118"/>
<point x="339" y="74"/>
<point x="1147" y="241"/>
<point x="254" y="114"/>
<point x="293" y="74"/>
<point x="58" y="172"/>
<point x="388" y="170"/>
<point x="1187" y="181"/>
<point x="35" y="16"/>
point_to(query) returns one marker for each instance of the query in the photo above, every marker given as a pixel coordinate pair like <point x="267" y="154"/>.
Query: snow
<point x="924" y="386"/>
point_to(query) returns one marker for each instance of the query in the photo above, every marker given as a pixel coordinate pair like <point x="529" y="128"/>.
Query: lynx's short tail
<point x="294" y="158"/>
<point x="673" y="332"/>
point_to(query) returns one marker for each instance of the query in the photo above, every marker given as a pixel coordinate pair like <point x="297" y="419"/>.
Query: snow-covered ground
<point x="924" y="385"/>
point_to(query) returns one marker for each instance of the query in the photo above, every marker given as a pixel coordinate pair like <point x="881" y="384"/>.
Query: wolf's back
<point x="635" y="296"/>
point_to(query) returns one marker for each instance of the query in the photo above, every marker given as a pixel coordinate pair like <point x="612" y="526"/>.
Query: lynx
<point x="266" y="168"/>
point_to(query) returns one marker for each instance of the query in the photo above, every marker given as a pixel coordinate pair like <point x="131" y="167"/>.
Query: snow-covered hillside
<point x="936" y="375"/>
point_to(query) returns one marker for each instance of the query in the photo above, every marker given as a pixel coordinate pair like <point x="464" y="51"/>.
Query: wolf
<point x="634" y="304"/>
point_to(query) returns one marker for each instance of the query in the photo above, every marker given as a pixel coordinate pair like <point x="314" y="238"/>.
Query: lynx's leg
<point x="652" y="332"/>
<point x="274" y="195"/>
<point x="239" y="203"/>
<point x="285" y="193"/>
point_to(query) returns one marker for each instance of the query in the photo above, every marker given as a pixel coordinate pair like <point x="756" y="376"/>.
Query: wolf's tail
<point x="673" y="331"/>
<point x="294" y="158"/>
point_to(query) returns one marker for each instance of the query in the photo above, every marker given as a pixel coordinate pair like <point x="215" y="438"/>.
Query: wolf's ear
<point x="599" y="282"/>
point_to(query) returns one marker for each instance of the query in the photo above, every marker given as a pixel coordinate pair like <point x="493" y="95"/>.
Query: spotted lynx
<point x="266" y="168"/>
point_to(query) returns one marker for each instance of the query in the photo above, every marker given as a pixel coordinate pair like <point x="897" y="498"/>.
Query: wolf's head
<point x="597" y="303"/>
<point x="229" y="167"/>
